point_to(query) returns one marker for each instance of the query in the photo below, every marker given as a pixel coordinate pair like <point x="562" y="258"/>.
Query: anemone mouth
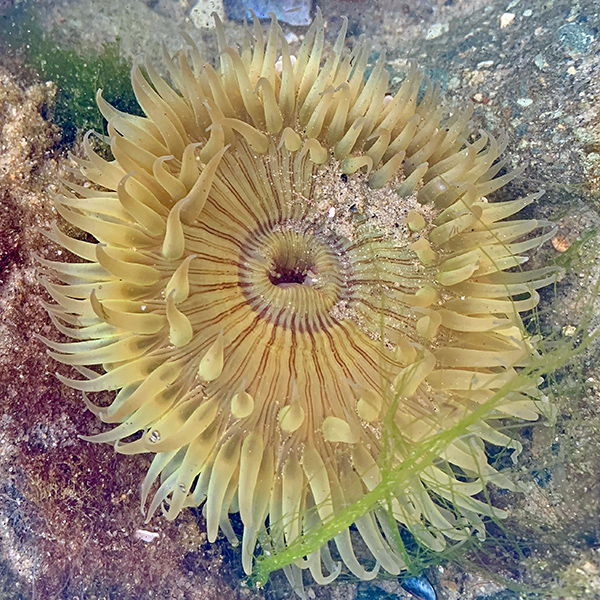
<point x="292" y="277"/>
<point x="292" y="262"/>
<point x="285" y="262"/>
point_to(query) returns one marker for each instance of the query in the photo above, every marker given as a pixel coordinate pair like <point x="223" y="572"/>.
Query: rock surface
<point x="70" y="524"/>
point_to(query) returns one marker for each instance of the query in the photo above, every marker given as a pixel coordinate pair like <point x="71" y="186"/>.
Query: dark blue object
<point x="293" y="12"/>
<point x="419" y="587"/>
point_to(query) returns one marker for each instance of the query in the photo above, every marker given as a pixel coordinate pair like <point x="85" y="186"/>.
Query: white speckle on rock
<point x="291" y="38"/>
<point x="453" y="83"/>
<point x="436" y="30"/>
<point x="201" y="13"/>
<point x="540" y="62"/>
<point x="506" y="19"/>
<point x="145" y="535"/>
<point x="524" y="102"/>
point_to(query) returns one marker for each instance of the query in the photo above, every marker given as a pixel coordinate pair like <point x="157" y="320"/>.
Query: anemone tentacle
<point x="260" y="297"/>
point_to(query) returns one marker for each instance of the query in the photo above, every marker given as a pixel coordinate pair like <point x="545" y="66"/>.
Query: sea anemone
<point x="282" y="258"/>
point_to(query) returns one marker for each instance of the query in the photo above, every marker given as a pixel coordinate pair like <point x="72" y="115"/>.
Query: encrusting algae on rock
<point x="287" y="258"/>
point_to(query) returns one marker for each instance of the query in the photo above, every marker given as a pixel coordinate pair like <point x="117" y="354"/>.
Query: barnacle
<point x="285" y="257"/>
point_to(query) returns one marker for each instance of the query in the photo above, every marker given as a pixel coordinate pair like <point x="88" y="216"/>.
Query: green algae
<point x="78" y="72"/>
<point x="503" y="542"/>
<point x="417" y="557"/>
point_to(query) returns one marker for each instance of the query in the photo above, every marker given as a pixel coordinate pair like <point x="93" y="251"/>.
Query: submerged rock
<point x="292" y="12"/>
